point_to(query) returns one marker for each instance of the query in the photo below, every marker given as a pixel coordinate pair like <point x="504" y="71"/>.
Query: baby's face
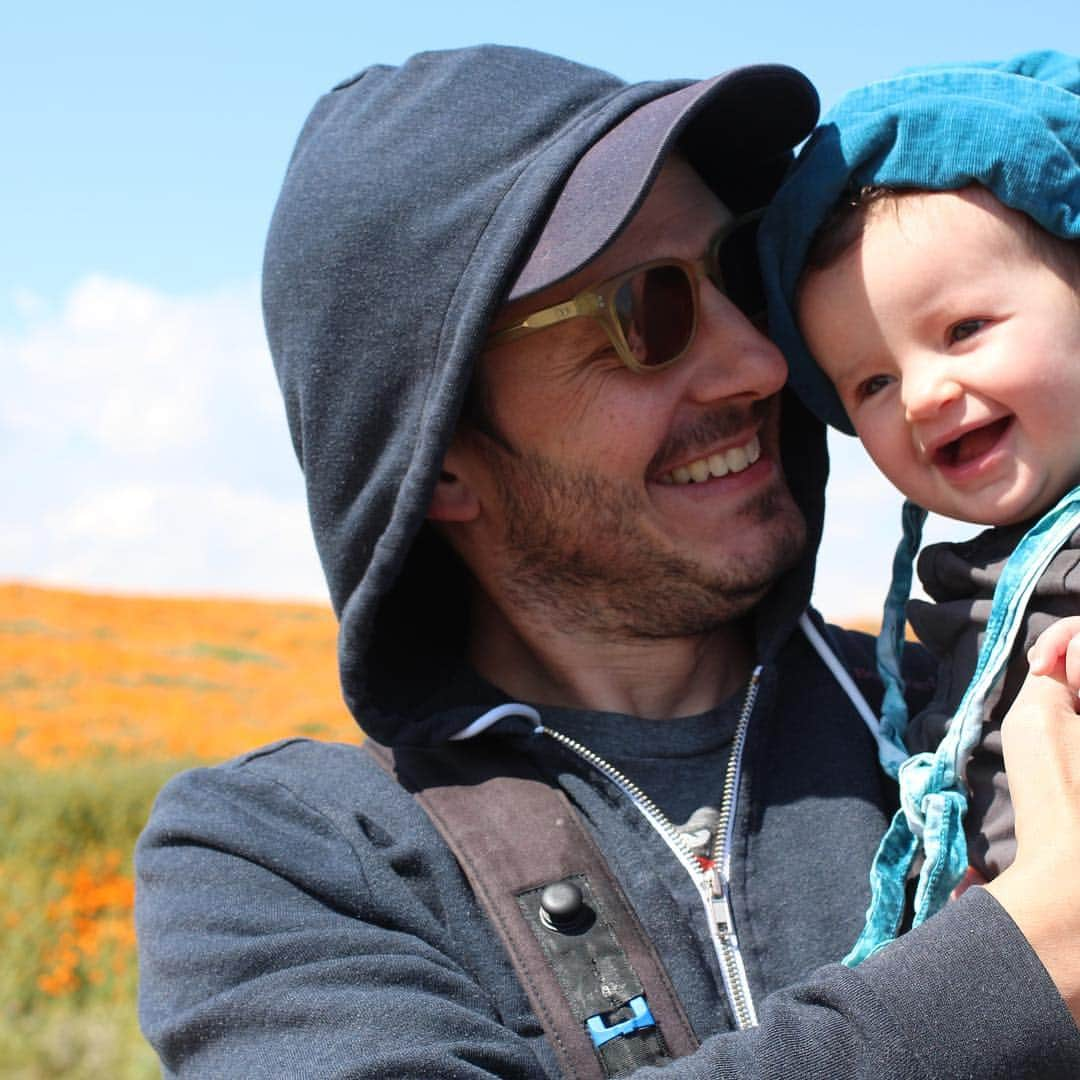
<point x="955" y="349"/>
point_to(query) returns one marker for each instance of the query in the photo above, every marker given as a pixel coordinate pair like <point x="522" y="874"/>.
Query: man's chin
<point x="700" y="598"/>
<point x="768" y="538"/>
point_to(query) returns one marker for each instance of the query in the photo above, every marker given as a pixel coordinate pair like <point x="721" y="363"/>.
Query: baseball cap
<point x="737" y="129"/>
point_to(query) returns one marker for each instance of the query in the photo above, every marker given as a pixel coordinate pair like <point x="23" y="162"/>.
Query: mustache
<point x="712" y="427"/>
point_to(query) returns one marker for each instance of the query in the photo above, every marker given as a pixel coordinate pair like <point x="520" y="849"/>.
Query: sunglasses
<point x="650" y="311"/>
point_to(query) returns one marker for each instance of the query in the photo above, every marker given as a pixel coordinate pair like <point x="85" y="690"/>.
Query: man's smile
<point x="733" y="460"/>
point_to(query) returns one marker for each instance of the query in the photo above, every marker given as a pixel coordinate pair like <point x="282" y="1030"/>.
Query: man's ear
<point x="454" y="498"/>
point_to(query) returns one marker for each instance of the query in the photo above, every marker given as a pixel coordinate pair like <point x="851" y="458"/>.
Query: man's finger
<point x="1044" y="696"/>
<point x="1072" y="664"/>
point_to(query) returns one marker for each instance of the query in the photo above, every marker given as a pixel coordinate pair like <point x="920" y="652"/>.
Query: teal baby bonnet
<point x="1013" y="127"/>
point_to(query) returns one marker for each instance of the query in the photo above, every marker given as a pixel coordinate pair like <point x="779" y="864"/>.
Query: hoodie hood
<point x="417" y="200"/>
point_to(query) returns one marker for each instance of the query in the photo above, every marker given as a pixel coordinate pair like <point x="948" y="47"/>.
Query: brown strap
<point x="512" y="832"/>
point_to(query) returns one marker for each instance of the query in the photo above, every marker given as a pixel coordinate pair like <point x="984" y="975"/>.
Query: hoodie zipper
<point x="713" y="885"/>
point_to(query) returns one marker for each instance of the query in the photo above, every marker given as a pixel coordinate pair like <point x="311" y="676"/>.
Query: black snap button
<point x="563" y="908"/>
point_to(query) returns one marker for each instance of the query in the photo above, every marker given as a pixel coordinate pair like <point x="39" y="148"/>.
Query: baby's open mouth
<point x="971" y="445"/>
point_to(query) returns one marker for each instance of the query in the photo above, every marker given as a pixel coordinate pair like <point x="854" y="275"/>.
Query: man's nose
<point x="730" y="356"/>
<point x="927" y="386"/>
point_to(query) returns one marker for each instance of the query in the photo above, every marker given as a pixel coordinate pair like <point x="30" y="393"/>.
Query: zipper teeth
<point x="725" y="823"/>
<point x="656" y="816"/>
<point x="743" y="1006"/>
<point x="735" y="981"/>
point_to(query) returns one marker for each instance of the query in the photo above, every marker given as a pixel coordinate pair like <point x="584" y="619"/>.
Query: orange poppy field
<point x="102" y="698"/>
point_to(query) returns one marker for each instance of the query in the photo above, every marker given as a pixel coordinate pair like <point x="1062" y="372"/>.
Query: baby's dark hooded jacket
<point x="298" y="913"/>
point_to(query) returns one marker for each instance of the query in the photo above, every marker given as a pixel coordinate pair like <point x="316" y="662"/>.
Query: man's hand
<point x="1041" y="890"/>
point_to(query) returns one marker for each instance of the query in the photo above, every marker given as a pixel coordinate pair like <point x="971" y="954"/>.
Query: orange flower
<point x="86" y="674"/>
<point x="95" y="936"/>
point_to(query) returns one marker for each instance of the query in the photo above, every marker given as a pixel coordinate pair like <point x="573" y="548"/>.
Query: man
<point x="567" y="518"/>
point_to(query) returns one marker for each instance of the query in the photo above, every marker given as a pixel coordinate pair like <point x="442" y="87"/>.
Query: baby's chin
<point x="992" y="515"/>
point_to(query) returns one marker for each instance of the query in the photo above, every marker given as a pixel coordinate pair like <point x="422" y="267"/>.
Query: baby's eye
<point x="964" y="329"/>
<point x="869" y="387"/>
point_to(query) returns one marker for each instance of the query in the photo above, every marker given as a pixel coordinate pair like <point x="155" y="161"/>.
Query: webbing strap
<point x="513" y="833"/>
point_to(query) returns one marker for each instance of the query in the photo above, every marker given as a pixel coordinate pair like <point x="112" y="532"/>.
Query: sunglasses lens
<point x="736" y="269"/>
<point x="656" y="311"/>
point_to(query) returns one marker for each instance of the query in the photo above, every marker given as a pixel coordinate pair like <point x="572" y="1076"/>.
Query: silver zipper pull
<point x="721" y="907"/>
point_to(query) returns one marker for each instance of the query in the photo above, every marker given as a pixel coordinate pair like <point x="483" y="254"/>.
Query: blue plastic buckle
<point x="642" y="1018"/>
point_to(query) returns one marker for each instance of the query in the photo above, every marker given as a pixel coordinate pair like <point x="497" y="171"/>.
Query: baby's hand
<point x="1057" y="652"/>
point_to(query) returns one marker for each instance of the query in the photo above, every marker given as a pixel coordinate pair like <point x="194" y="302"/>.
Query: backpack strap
<point x="592" y="977"/>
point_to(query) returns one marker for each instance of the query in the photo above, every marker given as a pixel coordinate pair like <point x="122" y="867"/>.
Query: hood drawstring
<point x="890" y="642"/>
<point x="889" y="753"/>
<point x="493" y="716"/>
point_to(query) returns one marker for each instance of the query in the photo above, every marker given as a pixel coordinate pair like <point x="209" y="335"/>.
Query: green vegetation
<point x="231" y="654"/>
<point x="67" y="984"/>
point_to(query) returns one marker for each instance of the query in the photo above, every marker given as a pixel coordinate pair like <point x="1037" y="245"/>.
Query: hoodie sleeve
<point x="271" y="945"/>
<point x="281" y="938"/>
<point x="961" y="996"/>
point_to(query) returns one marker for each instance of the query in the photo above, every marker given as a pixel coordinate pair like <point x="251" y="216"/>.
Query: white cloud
<point x="184" y="538"/>
<point x="133" y="370"/>
<point x="121" y="516"/>
<point x="146" y="448"/>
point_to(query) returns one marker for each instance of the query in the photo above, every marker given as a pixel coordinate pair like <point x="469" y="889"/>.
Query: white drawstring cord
<point x="493" y="716"/>
<point x="886" y="750"/>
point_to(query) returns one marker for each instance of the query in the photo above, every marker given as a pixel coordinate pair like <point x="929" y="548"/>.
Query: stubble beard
<point x="576" y="555"/>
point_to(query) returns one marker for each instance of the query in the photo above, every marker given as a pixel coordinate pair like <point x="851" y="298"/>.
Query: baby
<point x="923" y="269"/>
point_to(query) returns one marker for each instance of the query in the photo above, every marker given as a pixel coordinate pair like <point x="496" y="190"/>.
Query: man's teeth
<point x="728" y="461"/>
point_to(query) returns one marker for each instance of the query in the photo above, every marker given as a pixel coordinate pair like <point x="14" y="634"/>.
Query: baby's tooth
<point x="681" y="475"/>
<point x="699" y="470"/>
<point x="753" y="449"/>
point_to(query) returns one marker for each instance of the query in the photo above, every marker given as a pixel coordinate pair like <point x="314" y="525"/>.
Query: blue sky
<point x="140" y="430"/>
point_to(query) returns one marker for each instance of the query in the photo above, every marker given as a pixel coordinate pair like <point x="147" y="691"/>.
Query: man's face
<point x="638" y="505"/>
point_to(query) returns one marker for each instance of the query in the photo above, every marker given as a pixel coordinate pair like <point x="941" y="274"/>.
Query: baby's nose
<point x="928" y="389"/>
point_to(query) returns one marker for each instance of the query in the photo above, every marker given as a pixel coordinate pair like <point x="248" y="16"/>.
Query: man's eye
<point x="964" y="329"/>
<point x="869" y="387"/>
<point x="605" y="355"/>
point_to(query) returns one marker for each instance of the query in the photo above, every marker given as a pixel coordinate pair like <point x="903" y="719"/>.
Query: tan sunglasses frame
<point x="597" y="302"/>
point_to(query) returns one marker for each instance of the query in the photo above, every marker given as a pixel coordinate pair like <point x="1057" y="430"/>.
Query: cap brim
<point x="731" y="125"/>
